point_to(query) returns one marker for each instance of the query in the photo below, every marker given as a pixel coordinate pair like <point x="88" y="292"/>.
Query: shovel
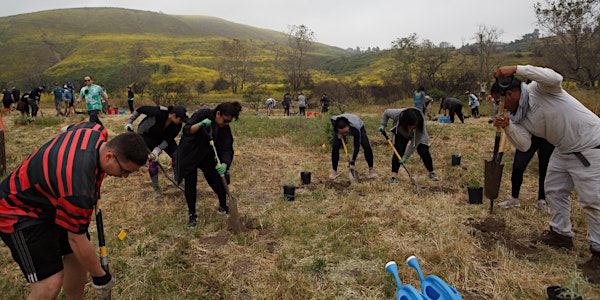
<point x="493" y="168"/>
<point x="101" y="240"/>
<point x="419" y="188"/>
<point x="352" y="175"/>
<point x="233" y="221"/>
<point x="169" y="177"/>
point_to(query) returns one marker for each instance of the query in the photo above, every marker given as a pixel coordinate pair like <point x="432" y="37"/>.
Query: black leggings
<point x="522" y="159"/>
<point x="400" y="143"/>
<point x="212" y="178"/>
<point x="336" y="144"/>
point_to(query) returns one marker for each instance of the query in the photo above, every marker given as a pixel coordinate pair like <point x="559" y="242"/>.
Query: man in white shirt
<point x="542" y="108"/>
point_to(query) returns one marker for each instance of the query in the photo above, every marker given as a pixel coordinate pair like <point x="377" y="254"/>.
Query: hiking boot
<point x="223" y="210"/>
<point x="433" y="176"/>
<point x="543" y="206"/>
<point x="333" y="174"/>
<point x="591" y="268"/>
<point x="556" y="240"/>
<point x="372" y="174"/>
<point x="393" y="181"/>
<point x="156" y="192"/>
<point x="510" y="202"/>
<point x="193" y="219"/>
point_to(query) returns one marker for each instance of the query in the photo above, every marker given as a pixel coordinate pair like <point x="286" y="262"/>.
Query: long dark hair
<point x="232" y="109"/>
<point x="410" y="117"/>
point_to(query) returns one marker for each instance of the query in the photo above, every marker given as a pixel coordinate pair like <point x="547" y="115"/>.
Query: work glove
<point x="128" y="127"/>
<point x="351" y="164"/>
<point x="155" y="153"/>
<point x="381" y="129"/>
<point x="204" y="123"/>
<point x="221" y="168"/>
<point x="103" y="285"/>
<point x="340" y="136"/>
<point x="403" y="160"/>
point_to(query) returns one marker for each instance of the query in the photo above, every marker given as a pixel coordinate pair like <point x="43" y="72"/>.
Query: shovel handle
<point x="345" y="148"/>
<point x="500" y="112"/>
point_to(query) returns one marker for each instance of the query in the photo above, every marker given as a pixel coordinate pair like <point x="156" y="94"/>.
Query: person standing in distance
<point x="93" y="95"/>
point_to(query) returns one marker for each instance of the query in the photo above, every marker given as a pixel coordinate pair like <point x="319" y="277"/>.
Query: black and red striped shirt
<point x="58" y="183"/>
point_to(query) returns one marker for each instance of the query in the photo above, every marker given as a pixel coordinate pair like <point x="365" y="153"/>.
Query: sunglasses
<point x="123" y="171"/>
<point x="87" y="80"/>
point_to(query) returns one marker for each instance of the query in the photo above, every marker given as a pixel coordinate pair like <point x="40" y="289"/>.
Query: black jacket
<point x="153" y="130"/>
<point x="194" y="148"/>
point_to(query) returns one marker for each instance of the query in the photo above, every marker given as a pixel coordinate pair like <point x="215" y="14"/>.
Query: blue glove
<point x="403" y="160"/>
<point x="206" y="123"/>
<point x="381" y="128"/>
<point x="221" y="169"/>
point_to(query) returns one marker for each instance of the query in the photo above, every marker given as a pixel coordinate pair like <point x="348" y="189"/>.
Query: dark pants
<point x="336" y="144"/>
<point x="94" y="116"/>
<point x="522" y="159"/>
<point x="212" y="178"/>
<point x="34" y="107"/>
<point x="130" y="103"/>
<point x="458" y="111"/>
<point x="400" y="143"/>
<point x="302" y="110"/>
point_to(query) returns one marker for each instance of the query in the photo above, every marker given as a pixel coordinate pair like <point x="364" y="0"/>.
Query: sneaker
<point x="510" y="202"/>
<point x="556" y="240"/>
<point x="193" y="219"/>
<point x="372" y="174"/>
<point x="591" y="268"/>
<point x="223" y="210"/>
<point x="543" y="206"/>
<point x="333" y="174"/>
<point x="433" y="176"/>
<point x="394" y="181"/>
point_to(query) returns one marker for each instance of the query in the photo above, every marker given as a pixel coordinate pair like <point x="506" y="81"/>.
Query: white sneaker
<point x="543" y="206"/>
<point x="333" y="174"/>
<point x="372" y="174"/>
<point x="510" y="202"/>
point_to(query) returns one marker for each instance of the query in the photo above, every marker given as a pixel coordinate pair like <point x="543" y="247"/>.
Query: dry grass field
<point x="334" y="240"/>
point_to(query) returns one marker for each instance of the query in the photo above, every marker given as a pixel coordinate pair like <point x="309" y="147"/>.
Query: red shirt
<point x="58" y="183"/>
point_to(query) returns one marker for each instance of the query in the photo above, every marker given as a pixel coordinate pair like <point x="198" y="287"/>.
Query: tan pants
<point x="565" y="172"/>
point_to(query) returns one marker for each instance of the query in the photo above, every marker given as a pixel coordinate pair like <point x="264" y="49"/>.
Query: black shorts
<point x="39" y="250"/>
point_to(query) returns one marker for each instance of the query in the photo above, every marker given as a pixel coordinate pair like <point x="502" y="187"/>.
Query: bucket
<point x="289" y="192"/>
<point x="456" y="160"/>
<point x="475" y="195"/>
<point x="309" y="113"/>
<point x="316" y="113"/>
<point x="305" y="176"/>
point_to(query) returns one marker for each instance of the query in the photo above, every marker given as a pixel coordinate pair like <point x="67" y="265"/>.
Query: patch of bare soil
<point x="218" y="240"/>
<point x="491" y="231"/>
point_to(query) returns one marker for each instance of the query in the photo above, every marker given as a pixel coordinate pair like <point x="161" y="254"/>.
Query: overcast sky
<point x="345" y="24"/>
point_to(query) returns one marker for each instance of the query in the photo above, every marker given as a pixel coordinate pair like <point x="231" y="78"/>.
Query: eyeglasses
<point x="123" y="171"/>
<point x="87" y="80"/>
<point x="227" y="121"/>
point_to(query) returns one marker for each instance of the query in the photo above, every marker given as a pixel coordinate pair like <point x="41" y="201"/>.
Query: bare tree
<point x="234" y="63"/>
<point x="486" y="38"/>
<point x="293" y="60"/>
<point x="573" y="48"/>
<point x="431" y="61"/>
<point x="134" y="69"/>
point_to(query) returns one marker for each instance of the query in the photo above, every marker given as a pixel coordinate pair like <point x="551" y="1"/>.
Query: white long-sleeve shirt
<point x="553" y="114"/>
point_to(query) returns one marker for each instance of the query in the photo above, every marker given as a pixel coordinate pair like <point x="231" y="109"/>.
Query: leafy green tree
<point x="573" y="48"/>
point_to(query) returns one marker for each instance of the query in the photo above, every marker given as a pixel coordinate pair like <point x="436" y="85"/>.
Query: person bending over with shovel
<point x="195" y="152"/>
<point x="47" y="202"/>
<point x="159" y="129"/>
<point x="544" y="109"/>
<point x="408" y="125"/>
<point x="344" y="125"/>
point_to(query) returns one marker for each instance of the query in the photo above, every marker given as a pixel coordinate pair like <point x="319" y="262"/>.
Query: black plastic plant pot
<point x="456" y="160"/>
<point x="475" y="195"/>
<point x="561" y="293"/>
<point x="289" y="192"/>
<point x="305" y="176"/>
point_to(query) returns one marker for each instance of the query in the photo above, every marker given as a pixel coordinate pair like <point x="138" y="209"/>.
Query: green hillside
<point x="66" y="44"/>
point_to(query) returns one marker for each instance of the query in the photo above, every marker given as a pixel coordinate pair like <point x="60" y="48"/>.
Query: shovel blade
<point x="353" y="177"/>
<point x="492" y="179"/>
